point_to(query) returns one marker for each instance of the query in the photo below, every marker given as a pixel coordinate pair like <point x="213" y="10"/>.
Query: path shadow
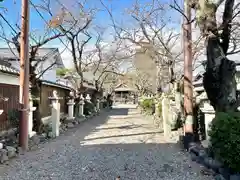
<point x="120" y="127"/>
<point x="125" y="135"/>
<point x="90" y="126"/>
<point x="119" y="111"/>
<point x="68" y="157"/>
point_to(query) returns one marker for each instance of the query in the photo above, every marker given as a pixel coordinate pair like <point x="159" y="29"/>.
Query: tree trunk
<point x="219" y="78"/>
<point x="35" y="94"/>
<point x="37" y="123"/>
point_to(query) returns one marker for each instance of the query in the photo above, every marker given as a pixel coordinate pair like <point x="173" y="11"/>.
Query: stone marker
<point x="98" y="105"/>
<point x="11" y="151"/>
<point x="31" y="133"/>
<point x="209" y="115"/>
<point x="81" y="107"/>
<point x="3" y="155"/>
<point x="165" y="116"/>
<point x="70" y="107"/>
<point x="55" y="117"/>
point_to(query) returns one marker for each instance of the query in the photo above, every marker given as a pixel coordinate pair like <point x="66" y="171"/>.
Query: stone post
<point x="165" y="116"/>
<point x="98" y="105"/>
<point x="156" y="114"/>
<point x="55" y="117"/>
<point x="81" y="107"/>
<point x="101" y="104"/>
<point x="71" y="107"/>
<point x="209" y="115"/>
<point x="31" y="133"/>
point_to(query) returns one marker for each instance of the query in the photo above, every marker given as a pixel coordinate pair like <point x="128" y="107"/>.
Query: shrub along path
<point x="117" y="143"/>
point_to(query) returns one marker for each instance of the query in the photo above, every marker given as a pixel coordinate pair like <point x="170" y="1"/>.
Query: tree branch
<point x="227" y="20"/>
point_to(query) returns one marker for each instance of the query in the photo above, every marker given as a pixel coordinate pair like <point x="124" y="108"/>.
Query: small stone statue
<point x="81" y="97"/>
<point x="71" y="94"/>
<point x="55" y="94"/>
<point x="88" y="97"/>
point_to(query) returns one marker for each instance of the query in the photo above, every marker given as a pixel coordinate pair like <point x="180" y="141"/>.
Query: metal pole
<point x="24" y="77"/>
<point x="188" y="91"/>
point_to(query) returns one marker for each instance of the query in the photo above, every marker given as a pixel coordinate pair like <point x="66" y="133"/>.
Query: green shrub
<point x="88" y="108"/>
<point x="159" y="108"/>
<point x="225" y="139"/>
<point x="147" y="105"/>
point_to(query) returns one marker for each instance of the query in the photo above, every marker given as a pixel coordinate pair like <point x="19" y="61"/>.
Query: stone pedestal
<point x="31" y="133"/>
<point x="55" y="116"/>
<point x="70" y="109"/>
<point x="81" y="108"/>
<point x="209" y="115"/>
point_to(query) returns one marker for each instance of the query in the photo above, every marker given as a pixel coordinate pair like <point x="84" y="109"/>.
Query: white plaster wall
<point x="50" y="74"/>
<point x="15" y="64"/>
<point x="9" y="79"/>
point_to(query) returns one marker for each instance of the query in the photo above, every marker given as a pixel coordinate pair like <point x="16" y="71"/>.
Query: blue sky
<point x="36" y="22"/>
<point x="38" y="26"/>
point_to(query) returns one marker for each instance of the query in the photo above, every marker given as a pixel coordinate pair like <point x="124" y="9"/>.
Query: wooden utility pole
<point x="24" y="76"/>
<point x="188" y="91"/>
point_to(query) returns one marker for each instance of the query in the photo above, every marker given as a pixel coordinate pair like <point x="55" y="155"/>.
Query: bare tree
<point x="109" y="57"/>
<point x="102" y="60"/>
<point x="140" y="81"/>
<point x="77" y="30"/>
<point x="155" y="31"/>
<point x="34" y="59"/>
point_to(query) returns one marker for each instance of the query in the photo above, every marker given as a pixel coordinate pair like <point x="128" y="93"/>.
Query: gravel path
<point x="117" y="143"/>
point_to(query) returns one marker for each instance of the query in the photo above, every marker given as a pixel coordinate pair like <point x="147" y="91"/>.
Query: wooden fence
<point x="46" y="92"/>
<point x="11" y="92"/>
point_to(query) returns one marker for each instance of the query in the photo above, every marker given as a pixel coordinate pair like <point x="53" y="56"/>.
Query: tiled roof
<point x="7" y="69"/>
<point x="123" y="87"/>
<point x="6" y="53"/>
<point x="13" y="55"/>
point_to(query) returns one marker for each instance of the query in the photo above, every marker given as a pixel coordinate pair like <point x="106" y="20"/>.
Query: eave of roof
<point x="9" y="70"/>
<point x="124" y="90"/>
<point x="50" y="83"/>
